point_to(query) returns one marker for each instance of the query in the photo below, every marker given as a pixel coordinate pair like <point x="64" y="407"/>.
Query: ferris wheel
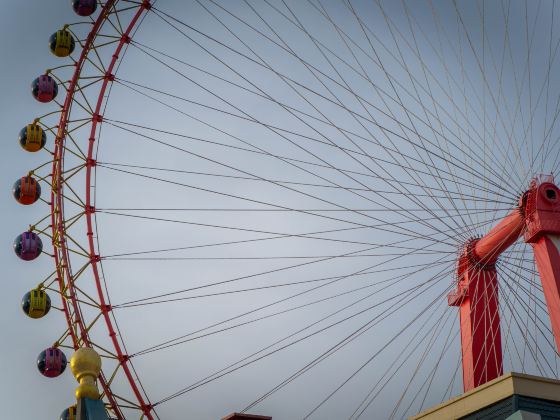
<point x="277" y="206"/>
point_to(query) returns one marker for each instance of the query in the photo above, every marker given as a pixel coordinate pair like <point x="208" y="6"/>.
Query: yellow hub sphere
<point x="86" y="366"/>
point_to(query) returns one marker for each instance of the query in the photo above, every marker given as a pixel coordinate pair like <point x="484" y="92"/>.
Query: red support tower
<point x="538" y="217"/>
<point x="542" y="217"/>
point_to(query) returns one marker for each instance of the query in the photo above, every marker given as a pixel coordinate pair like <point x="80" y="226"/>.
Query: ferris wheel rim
<point x="74" y="319"/>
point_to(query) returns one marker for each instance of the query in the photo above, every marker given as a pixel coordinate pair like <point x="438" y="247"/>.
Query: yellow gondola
<point x="71" y="413"/>
<point x="32" y="137"/>
<point x="62" y="43"/>
<point x="36" y="303"/>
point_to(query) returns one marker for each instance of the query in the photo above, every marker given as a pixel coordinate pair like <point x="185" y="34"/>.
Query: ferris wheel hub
<point x="542" y="209"/>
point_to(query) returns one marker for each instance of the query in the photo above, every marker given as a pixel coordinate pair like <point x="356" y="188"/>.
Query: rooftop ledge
<point x="491" y="392"/>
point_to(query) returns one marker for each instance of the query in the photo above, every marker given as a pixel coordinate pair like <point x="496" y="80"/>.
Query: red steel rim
<point x="61" y="255"/>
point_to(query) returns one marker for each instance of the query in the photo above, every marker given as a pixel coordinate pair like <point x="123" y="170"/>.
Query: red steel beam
<point x="488" y="248"/>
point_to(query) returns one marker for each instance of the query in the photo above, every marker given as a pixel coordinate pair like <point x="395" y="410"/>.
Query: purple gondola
<point x="51" y="362"/>
<point x="84" y="7"/>
<point x="44" y="88"/>
<point x="28" y="246"/>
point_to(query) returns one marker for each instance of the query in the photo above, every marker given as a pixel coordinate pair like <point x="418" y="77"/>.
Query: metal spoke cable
<point x="318" y="41"/>
<point x="235" y="279"/>
<point x="354" y="334"/>
<point x="401" y="229"/>
<point x="430" y="151"/>
<point x="225" y="369"/>
<point x="297" y="283"/>
<point x="364" y="328"/>
<point x="410" y="348"/>
<point x="355" y="95"/>
<point x="185" y="338"/>
<point x="309" y="163"/>
<point x="300" y="146"/>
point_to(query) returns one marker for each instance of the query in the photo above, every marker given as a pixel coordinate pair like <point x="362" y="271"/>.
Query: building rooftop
<point x="497" y="398"/>
<point x="242" y="416"/>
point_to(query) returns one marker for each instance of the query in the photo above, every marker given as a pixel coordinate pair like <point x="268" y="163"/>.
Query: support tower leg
<point x="547" y="257"/>
<point x="481" y="342"/>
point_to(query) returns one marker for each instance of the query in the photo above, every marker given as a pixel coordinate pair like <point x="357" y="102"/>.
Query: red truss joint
<point x="109" y="76"/>
<point x="456" y="297"/>
<point x="125" y="39"/>
<point x="473" y="259"/>
<point x="91" y="163"/>
<point x="123" y="358"/>
<point x="95" y="258"/>
<point x="146" y="408"/>
<point x="542" y="211"/>
<point x="106" y="308"/>
<point x="468" y="260"/>
<point x="97" y="118"/>
<point x="90" y="209"/>
<point x="147" y="4"/>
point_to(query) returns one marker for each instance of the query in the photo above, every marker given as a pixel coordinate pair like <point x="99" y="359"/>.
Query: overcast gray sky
<point x="378" y="137"/>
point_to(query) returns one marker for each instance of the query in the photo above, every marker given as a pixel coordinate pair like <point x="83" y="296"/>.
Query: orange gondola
<point x="26" y="190"/>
